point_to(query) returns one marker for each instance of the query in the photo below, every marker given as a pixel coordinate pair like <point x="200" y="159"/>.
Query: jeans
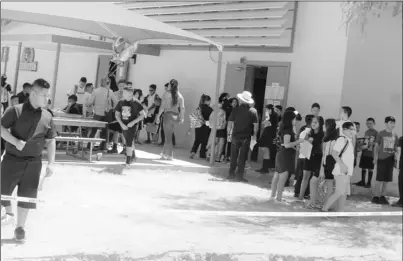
<point x="170" y="120"/>
<point x="202" y="135"/>
<point x="239" y="155"/>
<point x="103" y="131"/>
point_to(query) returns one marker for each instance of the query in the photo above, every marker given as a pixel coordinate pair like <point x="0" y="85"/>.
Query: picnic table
<point x="65" y="119"/>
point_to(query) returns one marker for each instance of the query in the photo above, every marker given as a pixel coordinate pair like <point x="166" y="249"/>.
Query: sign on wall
<point x="27" y="62"/>
<point x="4" y="53"/>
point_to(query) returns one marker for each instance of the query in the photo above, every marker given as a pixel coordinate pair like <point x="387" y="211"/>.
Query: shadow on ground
<point x="190" y="256"/>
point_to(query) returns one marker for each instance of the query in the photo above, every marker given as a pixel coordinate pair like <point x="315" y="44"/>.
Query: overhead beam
<point x="149" y="50"/>
<point x="67" y="40"/>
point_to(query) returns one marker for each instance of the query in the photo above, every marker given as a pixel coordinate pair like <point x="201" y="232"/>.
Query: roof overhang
<point x="69" y="44"/>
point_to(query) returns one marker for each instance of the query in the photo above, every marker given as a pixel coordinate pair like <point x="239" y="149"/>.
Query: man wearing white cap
<point x="242" y="126"/>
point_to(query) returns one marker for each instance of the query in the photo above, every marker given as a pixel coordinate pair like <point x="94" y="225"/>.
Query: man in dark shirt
<point x="26" y="128"/>
<point x="23" y="96"/>
<point x="242" y="126"/>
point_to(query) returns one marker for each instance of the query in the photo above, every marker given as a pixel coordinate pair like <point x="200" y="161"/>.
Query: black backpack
<point x="330" y="162"/>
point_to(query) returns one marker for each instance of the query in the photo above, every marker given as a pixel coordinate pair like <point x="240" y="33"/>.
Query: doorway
<point x="267" y="81"/>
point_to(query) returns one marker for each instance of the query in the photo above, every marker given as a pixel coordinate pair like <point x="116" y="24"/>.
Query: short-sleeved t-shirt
<point x="129" y="110"/>
<point x="243" y="117"/>
<point x="388" y="143"/>
<point x="290" y="132"/>
<point x="369" y="139"/>
<point x="347" y="157"/>
<point x="32" y="125"/>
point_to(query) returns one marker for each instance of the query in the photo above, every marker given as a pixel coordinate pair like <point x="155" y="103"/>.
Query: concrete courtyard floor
<point x="108" y="212"/>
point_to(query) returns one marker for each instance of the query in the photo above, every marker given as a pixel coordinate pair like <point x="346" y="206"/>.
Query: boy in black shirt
<point x="129" y="112"/>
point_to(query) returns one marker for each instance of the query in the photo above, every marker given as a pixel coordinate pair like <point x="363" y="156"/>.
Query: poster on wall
<point x="27" y="62"/>
<point x="274" y="92"/>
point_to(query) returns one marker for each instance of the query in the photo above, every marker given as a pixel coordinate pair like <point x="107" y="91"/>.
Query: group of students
<point x="333" y="157"/>
<point x="201" y="121"/>
<point x="325" y="177"/>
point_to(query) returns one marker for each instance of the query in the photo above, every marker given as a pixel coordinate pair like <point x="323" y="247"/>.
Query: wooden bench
<point x="79" y="140"/>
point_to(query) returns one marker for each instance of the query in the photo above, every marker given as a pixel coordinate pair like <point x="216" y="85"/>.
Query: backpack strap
<point x="344" y="148"/>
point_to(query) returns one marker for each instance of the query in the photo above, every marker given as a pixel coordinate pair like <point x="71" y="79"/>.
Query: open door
<point x="277" y="85"/>
<point x="235" y="76"/>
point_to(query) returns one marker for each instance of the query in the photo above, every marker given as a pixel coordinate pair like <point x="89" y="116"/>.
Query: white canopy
<point x="104" y="19"/>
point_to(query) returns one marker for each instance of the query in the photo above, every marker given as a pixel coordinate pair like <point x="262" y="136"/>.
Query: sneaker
<point x="192" y="155"/>
<point x="230" y="177"/>
<point x="19" y="234"/>
<point x="114" y="150"/>
<point x="375" y="200"/>
<point x="123" y="152"/>
<point x="241" y="180"/>
<point x="398" y="204"/>
<point x="360" y="184"/>
<point x="7" y="219"/>
<point x="368" y="185"/>
<point x="383" y="200"/>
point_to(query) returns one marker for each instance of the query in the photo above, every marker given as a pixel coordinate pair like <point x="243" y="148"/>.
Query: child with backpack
<point x="342" y="166"/>
<point x="385" y="155"/>
<point x="330" y="127"/>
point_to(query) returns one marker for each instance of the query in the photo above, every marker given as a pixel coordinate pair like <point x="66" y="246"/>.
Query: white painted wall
<point x="373" y="76"/>
<point x="72" y="65"/>
<point x="373" y="71"/>
<point x="316" y="71"/>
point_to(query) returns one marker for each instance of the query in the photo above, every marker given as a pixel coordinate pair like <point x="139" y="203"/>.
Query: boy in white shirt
<point x="78" y="90"/>
<point x="343" y="154"/>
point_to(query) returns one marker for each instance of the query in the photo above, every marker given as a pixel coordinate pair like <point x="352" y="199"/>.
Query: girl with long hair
<point x="266" y="140"/>
<point x="330" y="136"/>
<point x="234" y="103"/>
<point x="221" y="132"/>
<point x="285" y="158"/>
<point x="173" y="107"/>
<point x="312" y="165"/>
<point x="202" y="133"/>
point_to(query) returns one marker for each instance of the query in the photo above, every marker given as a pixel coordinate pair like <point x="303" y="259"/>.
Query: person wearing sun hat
<point x="243" y="127"/>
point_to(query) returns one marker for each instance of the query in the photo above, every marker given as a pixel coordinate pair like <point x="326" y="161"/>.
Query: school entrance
<point x="267" y="81"/>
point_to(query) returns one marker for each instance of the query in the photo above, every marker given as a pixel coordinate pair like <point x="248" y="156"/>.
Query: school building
<point x="298" y="50"/>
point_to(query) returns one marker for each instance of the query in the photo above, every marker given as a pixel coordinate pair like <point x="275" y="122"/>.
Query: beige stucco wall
<point x="316" y="71"/>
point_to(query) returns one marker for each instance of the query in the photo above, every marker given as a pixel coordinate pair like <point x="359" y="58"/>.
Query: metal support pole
<point x="55" y="71"/>
<point x="216" y="108"/>
<point x="17" y="67"/>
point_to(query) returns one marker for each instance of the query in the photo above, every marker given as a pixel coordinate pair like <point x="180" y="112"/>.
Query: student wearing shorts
<point x="384" y="158"/>
<point x="367" y="155"/>
<point x="26" y="128"/>
<point x="343" y="154"/>
<point x="129" y="112"/>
